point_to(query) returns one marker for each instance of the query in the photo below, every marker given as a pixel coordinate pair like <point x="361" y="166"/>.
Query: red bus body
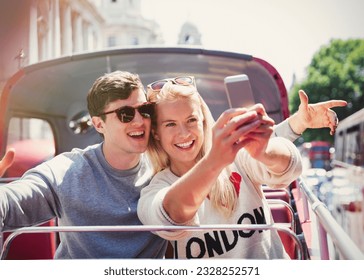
<point x="319" y="154"/>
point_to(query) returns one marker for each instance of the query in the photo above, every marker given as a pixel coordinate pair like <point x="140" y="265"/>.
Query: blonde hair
<point x="223" y="195"/>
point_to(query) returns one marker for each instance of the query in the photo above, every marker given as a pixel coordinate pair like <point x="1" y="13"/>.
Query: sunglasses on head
<point x="182" y="80"/>
<point x="127" y="113"/>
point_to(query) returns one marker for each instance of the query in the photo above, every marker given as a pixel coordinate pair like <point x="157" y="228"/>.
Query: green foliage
<point x="335" y="72"/>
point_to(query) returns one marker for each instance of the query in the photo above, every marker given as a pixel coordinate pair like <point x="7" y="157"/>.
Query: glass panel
<point x="33" y="141"/>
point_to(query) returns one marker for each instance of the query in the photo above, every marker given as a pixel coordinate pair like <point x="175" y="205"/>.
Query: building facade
<point x="32" y="31"/>
<point x="38" y="30"/>
<point x="125" y="25"/>
<point x="189" y="34"/>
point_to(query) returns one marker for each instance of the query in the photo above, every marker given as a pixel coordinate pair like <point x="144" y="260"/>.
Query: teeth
<point x="184" y="145"/>
<point x="136" y="133"/>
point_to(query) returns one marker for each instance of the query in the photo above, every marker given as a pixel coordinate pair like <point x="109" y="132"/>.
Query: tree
<point x="335" y="72"/>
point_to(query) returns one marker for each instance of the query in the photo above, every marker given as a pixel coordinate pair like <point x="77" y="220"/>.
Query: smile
<point x="185" y="145"/>
<point x="136" y="134"/>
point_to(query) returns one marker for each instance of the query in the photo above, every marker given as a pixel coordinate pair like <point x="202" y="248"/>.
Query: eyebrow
<point x="171" y="120"/>
<point x="166" y="121"/>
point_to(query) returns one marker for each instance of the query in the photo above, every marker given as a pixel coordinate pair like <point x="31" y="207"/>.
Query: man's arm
<point x="7" y="161"/>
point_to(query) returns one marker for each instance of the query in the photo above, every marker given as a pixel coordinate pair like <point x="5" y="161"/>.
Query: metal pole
<point x="42" y="229"/>
<point x="344" y="243"/>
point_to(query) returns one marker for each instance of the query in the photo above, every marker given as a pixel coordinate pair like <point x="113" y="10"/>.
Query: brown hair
<point x="110" y="87"/>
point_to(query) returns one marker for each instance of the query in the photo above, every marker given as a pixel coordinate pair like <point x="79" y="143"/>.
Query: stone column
<point x="77" y="32"/>
<point x="33" y="33"/>
<point x="50" y="23"/>
<point x="66" y="36"/>
<point x="56" y="29"/>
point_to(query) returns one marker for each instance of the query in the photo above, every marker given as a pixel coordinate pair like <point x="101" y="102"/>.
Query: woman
<point x="211" y="173"/>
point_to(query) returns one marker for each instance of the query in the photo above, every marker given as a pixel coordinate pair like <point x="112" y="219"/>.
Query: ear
<point x="155" y="135"/>
<point x="98" y="123"/>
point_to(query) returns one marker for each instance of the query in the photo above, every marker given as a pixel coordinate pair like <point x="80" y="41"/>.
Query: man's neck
<point x="121" y="160"/>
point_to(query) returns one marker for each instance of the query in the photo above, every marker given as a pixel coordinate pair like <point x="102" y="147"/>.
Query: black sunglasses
<point x="127" y="113"/>
<point x="182" y="80"/>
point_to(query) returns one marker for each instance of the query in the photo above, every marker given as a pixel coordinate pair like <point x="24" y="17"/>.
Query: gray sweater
<point x="80" y="188"/>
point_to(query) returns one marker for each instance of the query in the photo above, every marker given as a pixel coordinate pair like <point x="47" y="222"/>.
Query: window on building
<point x="111" y="41"/>
<point x="135" y="41"/>
<point x="189" y="39"/>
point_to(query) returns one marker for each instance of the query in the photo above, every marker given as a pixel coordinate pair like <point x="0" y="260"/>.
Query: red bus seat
<point x="32" y="246"/>
<point x="277" y="194"/>
<point x="289" y="245"/>
<point x="282" y="213"/>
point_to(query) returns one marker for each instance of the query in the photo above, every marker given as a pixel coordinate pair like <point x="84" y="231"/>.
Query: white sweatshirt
<point x="251" y="209"/>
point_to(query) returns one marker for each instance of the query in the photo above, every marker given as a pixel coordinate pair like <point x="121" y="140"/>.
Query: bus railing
<point x="288" y="207"/>
<point x="328" y="226"/>
<point x="358" y="170"/>
<point x="48" y="229"/>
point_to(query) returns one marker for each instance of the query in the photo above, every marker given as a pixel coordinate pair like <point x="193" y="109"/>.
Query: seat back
<point x="282" y="213"/>
<point x="35" y="246"/>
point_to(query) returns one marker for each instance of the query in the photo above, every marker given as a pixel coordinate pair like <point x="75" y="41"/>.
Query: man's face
<point x="123" y="139"/>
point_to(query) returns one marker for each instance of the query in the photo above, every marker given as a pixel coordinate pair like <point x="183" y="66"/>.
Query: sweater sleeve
<point x="28" y="201"/>
<point x="283" y="129"/>
<point x="151" y="211"/>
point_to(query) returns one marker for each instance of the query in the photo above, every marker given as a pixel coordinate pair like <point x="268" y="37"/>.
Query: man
<point x="101" y="184"/>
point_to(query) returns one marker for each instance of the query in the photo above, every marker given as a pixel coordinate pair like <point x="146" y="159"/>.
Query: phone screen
<point x="238" y="91"/>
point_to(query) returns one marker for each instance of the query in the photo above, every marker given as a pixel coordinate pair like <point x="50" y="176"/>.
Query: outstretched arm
<point x="317" y="115"/>
<point x="7" y="161"/>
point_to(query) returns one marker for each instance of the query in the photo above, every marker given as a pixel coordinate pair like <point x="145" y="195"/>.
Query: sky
<point x="285" y="33"/>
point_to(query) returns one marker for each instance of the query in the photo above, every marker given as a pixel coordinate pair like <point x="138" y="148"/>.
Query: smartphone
<point x="239" y="92"/>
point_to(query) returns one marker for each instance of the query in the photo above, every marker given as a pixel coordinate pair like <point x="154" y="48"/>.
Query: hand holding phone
<point x="238" y="91"/>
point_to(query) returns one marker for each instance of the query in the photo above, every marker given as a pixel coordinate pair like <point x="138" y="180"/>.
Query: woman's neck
<point x="181" y="168"/>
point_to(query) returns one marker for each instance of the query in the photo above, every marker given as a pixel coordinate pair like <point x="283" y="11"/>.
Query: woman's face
<point x="180" y="132"/>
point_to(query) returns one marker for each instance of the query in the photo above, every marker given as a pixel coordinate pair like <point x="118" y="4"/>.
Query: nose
<point x="184" y="130"/>
<point x="138" y="118"/>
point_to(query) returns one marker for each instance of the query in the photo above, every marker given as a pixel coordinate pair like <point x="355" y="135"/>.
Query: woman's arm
<point x="317" y="115"/>
<point x="186" y="195"/>
<point x="260" y="173"/>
